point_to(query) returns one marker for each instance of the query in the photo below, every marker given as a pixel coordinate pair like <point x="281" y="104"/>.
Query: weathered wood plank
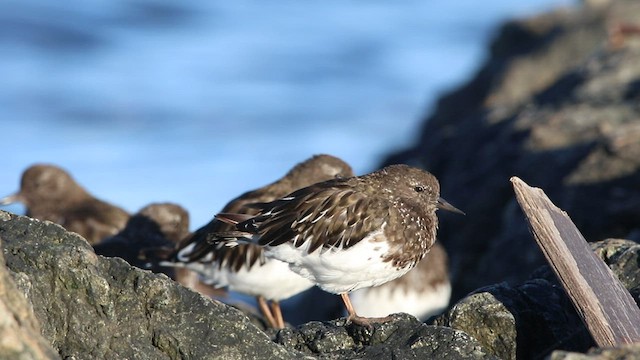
<point x="606" y="307"/>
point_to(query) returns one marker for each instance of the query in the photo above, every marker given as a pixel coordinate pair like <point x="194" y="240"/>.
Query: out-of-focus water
<point x="195" y="102"/>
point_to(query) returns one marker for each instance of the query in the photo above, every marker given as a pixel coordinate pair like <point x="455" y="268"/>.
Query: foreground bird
<point x="244" y="268"/>
<point x="348" y="234"/>
<point x="50" y="193"/>
<point x="423" y="292"/>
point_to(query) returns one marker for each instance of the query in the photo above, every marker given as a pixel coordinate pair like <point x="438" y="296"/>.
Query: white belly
<point x="341" y="270"/>
<point x="385" y="300"/>
<point x="273" y="280"/>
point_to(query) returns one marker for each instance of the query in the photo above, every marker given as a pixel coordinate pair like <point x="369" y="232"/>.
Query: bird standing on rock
<point x="50" y="193"/>
<point x="350" y="233"/>
<point x="244" y="268"/>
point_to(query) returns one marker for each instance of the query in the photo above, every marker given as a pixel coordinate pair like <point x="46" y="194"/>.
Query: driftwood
<point x="606" y="307"/>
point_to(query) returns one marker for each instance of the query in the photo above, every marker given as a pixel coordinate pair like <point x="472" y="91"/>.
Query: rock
<point x="623" y="352"/>
<point x="623" y="257"/>
<point x="96" y="307"/>
<point x="404" y="337"/>
<point x="555" y="105"/>
<point x="20" y="336"/>
<point x="90" y="306"/>
<point x="530" y="320"/>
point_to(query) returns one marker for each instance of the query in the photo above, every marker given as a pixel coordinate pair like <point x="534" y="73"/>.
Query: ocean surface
<point x="195" y="102"/>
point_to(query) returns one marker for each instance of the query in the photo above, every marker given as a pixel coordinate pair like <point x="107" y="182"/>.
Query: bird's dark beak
<point x="10" y="199"/>
<point x="444" y="205"/>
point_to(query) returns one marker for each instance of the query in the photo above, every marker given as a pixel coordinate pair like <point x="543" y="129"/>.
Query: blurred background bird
<point x="50" y="193"/>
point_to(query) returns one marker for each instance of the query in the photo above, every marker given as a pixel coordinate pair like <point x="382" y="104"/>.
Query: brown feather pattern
<point x="318" y="168"/>
<point x="340" y="213"/>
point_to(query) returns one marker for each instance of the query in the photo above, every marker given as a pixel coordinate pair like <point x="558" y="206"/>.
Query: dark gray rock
<point x="95" y="307"/>
<point x="555" y="105"/>
<point x="20" y="336"/>
<point x="404" y="337"/>
<point x="627" y="352"/>
<point x="531" y="320"/>
<point x="623" y="258"/>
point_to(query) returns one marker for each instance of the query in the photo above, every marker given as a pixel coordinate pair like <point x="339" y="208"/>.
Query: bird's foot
<point x="367" y="322"/>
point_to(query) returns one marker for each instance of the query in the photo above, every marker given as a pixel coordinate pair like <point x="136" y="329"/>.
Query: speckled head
<point x="404" y="182"/>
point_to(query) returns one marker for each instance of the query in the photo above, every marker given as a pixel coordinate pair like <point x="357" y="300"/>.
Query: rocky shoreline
<point x="66" y="302"/>
<point x="556" y="104"/>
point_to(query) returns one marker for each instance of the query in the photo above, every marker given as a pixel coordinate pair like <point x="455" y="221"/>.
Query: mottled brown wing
<point x="206" y="249"/>
<point x="199" y="238"/>
<point x="237" y="257"/>
<point x="336" y="216"/>
<point x="204" y="245"/>
<point x="230" y="257"/>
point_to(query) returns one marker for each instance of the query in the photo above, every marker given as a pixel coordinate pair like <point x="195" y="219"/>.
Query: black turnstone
<point x="50" y="193"/>
<point x="348" y="233"/>
<point x="423" y="292"/>
<point x="155" y="225"/>
<point x="154" y="232"/>
<point x="243" y="268"/>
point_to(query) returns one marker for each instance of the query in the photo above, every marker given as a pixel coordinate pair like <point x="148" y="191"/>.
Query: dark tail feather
<point x="233" y="219"/>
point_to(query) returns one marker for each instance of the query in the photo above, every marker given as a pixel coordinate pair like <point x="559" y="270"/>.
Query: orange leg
<point x="266" y="312"/>
<point x="277" y="315"/>
<point x="354" y="318"/>
<point x="347" y="304"/>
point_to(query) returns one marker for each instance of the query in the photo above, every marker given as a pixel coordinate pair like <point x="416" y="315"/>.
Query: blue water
<point x="195" y="102"/>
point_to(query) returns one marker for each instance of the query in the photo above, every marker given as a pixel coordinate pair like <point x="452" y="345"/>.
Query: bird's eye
<point x="418" y="188"/>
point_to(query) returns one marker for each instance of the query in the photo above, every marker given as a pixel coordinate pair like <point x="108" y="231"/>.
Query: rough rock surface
<point x="556" y="104"/>
<point x="530" y="320"/>
<point x="20" y="336"/>
<point x="402" y="338"/>
<point x="627" y="352"/>
<point x="103" y="308"/>
<point x="95" y="307"/>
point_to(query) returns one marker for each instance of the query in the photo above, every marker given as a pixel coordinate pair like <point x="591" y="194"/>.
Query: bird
<point x="423" y="292"/>
<point x="155" y="225"/>
<point x="350" y="233"/>
<point x="50" y="193"/>
<point x="244" y="268"/>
